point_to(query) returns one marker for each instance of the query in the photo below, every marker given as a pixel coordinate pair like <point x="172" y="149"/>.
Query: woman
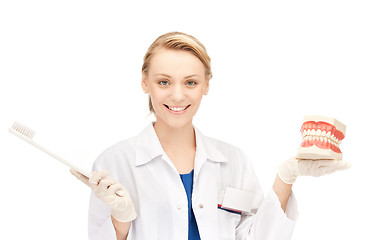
<point x="176" y="183"/>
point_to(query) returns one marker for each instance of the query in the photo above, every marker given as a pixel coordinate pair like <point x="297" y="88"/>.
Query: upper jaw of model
<point x="321" y="138"/>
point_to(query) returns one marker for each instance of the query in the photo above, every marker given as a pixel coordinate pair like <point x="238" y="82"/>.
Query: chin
<point x="174" y="122"/>
<point x="177" y="123"/>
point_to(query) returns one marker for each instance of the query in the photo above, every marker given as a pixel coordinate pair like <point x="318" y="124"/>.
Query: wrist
<point x="126" y="215"/>
<point x="283" y="191"/>
<point x="121" y="228"/>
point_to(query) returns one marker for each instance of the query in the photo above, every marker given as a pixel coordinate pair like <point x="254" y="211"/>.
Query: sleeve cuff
<point x="291" y="208"/>
<point x="271" y="222"/>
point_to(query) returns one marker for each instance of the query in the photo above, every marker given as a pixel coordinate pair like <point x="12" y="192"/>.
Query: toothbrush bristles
<point x="23" y="130"/>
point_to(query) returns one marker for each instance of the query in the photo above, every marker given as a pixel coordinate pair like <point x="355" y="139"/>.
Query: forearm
<point x="121" y="228"/>
<point x="282" y="191"/>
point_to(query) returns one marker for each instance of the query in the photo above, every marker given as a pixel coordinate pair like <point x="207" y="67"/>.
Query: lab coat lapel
<point x="205" y="150"/>
<point x="148" y="146"/>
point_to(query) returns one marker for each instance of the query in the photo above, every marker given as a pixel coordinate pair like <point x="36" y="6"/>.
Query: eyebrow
<point x="166" y="75"/>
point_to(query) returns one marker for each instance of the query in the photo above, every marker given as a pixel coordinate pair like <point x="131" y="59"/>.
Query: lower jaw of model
<point x="321" y="138"/>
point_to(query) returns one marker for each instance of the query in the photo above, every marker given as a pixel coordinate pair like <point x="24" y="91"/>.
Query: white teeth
<point x="318" y="134"/>
<point x="177" y="109"/>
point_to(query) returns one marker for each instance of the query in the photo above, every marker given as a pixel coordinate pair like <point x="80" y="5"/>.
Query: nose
<point x="178" y="93"/>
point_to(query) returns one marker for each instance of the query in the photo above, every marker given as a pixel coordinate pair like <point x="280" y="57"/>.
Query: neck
<point x="175" y="138"/>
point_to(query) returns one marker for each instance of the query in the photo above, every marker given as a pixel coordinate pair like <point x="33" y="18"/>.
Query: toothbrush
<point x="27" y="135"/>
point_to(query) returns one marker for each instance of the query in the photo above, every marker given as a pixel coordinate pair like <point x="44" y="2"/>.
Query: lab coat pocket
<point x="232" y="202"/>
<point x="228" y="222"/>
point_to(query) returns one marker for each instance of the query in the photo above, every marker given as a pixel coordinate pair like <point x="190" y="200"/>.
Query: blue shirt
<point x="187" y="180"/>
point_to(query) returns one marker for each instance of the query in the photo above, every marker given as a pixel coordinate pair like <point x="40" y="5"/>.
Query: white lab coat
<point x="157" y="191"/>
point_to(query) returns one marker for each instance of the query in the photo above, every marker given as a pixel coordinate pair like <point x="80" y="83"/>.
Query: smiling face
<point x="176" y="82"/>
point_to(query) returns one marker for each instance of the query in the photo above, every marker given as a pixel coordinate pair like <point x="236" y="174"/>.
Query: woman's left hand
<point x="289" y="170"/>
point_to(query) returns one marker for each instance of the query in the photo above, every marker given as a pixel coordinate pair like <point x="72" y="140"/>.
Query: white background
<point x="71" y="71"/>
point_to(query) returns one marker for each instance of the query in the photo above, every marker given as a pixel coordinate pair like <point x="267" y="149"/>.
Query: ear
<point x="144" y="83"/>
<point x="205" y="91"/>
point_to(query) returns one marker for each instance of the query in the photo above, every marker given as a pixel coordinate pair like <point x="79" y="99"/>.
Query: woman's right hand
<point x="106" y="189"/>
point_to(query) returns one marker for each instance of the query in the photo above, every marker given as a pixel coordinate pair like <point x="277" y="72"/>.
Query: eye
<point x="163" y="83"/>
<point x="191" y="83"/>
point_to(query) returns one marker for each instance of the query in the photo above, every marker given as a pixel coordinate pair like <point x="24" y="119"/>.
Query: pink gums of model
<point x="321" y="138"/>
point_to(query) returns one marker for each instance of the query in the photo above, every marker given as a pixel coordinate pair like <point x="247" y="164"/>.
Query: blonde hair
<point x="177" y="41"/>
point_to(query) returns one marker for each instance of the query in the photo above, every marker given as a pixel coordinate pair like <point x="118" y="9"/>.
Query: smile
<point x="177" y="109"/>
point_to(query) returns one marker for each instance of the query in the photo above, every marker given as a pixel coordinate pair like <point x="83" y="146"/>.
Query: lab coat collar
<point x="206" y="149"/>
<point x="149" y="147"/>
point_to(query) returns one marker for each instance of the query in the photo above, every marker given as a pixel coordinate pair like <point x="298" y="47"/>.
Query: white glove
<point x="107" y="189"/>
<point x="289" y="170"/>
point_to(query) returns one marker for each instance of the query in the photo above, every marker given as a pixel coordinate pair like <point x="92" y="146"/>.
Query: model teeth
<point x="325" y="135"/>
<point x="311" y="135"/>
<point x="319" y="135"/>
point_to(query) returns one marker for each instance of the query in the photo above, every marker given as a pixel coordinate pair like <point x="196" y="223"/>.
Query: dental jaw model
<point x="321" y="138"/>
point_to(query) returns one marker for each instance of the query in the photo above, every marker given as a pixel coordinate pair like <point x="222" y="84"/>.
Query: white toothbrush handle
<point x="45" y="150"/>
